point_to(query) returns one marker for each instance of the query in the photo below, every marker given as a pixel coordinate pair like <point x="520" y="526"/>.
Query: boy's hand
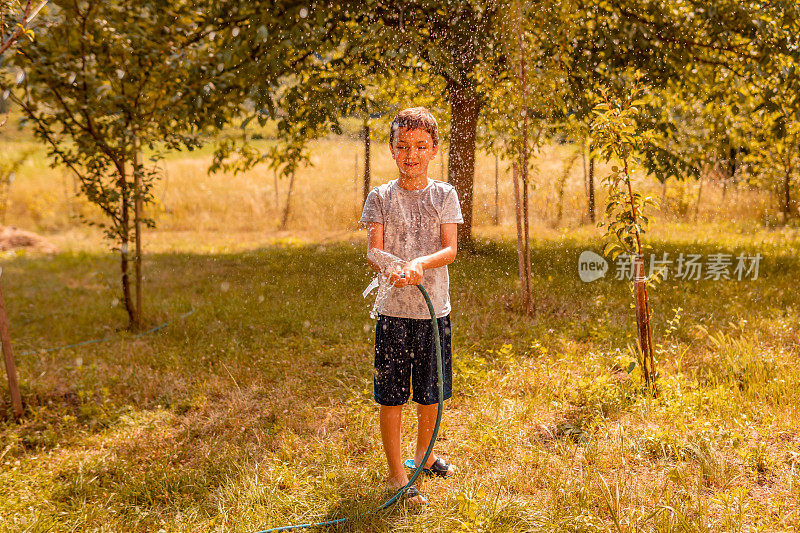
<point x="413" y="272"/>
<point x="395" y="277"/>
<point x="410" y="274"/>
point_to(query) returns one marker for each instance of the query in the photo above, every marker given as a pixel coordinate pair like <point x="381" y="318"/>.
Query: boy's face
<point x="412" y="151"/>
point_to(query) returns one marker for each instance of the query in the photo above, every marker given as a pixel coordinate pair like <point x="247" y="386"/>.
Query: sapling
<point x="616" y="138"/>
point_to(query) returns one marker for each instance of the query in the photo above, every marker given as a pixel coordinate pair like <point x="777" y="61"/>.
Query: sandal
<point x="413" y="492"/>
<point x="439" y="468"/>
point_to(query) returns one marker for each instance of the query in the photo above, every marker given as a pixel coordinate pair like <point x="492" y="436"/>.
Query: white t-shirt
<point x="411" y="228"/>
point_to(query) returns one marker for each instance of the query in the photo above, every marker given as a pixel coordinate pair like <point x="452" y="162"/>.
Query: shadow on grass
<point x="356" y="514"/>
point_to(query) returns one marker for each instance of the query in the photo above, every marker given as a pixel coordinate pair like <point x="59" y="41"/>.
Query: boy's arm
<point x="445" y="256"/>
<point x="375" y="236"/>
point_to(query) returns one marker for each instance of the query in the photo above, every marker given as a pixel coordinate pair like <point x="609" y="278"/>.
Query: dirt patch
<point x="13" y="238"/>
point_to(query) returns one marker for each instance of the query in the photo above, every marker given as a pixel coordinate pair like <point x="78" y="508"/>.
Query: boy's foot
<point x="438" y="468"/>
<point x="411" y="495"/>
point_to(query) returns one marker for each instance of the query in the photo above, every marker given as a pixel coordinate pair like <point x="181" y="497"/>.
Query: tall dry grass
<point x="327" y="193"/>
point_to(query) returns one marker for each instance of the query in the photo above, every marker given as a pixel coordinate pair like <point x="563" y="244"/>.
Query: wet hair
<point x="415" y="118"/>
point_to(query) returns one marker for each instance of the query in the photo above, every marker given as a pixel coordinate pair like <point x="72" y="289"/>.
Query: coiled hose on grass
<point x="418" y="471"/>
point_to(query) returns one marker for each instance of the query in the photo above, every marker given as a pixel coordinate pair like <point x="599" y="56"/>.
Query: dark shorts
<point x="405" y="360"/>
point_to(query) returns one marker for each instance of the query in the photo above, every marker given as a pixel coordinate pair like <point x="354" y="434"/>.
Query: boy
<point x="414" y="218"/>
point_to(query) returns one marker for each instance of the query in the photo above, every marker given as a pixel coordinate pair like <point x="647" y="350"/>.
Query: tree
<point x="774" y="148"/>
<point x="618" y="138"/>
<point x="109" y="79"/>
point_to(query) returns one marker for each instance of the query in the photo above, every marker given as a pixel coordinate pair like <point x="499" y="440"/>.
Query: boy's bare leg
<point x="390" y="418"/>
<point x="426" y="418"/>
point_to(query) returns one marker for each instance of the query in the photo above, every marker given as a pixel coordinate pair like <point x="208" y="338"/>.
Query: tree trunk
<point x="123" y="249"/>
<point x="441" y="160"/>
<point x="465" y="107"/>
<point x="585" y="177"/>
<point x="137" y="218"/>
<point x="562" y="183"/>
<point x="277" y="200"/>
<point x="285" y="219"/>
<point x="8" y="355"/>
<point x="787" y="195"/>
<point x="724" y="189"/>
<point x="496" y="190"/>
<point x="525" y="219"/>
<point x="699" y="197"/>
<point x="520" y="246"/>
<point x="367" y="170"/>
<point x="356" y="185"/>
<point x="643" y="328"/>
<point x="591" y="188"/>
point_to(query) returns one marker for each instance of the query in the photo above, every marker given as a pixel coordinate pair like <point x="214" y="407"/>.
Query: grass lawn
<point x="256" y="410"/>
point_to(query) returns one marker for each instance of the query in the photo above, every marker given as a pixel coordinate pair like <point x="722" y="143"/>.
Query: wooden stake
<point x="8" y="355"/>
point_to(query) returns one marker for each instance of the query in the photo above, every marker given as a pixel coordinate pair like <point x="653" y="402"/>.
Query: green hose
<point x="438" y="345"/>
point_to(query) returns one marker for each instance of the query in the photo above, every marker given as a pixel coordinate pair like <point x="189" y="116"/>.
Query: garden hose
<point x="418" y="471"/>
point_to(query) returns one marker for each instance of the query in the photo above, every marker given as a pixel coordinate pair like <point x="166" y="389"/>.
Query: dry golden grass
<point x="327" y="195"/>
